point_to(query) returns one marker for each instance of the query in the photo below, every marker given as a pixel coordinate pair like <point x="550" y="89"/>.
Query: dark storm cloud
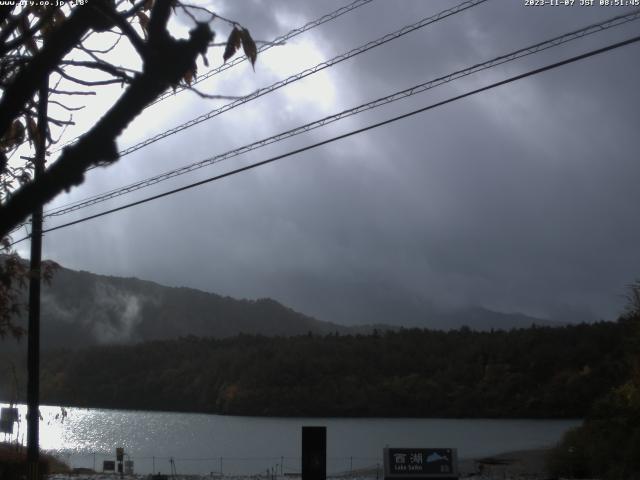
<point x="520" y="199"/>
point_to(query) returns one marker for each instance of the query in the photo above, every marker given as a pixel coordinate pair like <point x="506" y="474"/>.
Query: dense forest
<point x="82" y="308"/>
<point x="607" y="444"/>
<point x="540" y="372"/>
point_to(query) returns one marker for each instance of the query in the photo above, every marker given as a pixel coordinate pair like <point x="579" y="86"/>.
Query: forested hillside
<point x="536" y="372"/>
<point x="83" y="308"/>
<point x="607" y="444"/>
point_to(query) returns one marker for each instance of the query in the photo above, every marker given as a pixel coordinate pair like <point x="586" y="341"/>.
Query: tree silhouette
<point x="48" y="41"/>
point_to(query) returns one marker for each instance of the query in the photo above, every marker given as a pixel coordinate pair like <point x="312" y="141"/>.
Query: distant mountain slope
<point x="81" y="308"/>
<point x="370" y="301"/>
<point x="479" y="318"/>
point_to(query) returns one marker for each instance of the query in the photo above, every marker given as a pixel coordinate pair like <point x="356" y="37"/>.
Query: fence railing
<point x="214" y="466"/>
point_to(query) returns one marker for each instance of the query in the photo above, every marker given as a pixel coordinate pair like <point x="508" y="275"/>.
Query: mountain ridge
<point x="84" y="308"/>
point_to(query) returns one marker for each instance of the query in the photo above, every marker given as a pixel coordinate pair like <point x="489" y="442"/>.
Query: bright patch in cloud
<point x="317" y="89"/>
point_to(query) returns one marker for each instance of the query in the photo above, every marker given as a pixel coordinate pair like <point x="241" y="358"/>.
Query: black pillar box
<point x="314" y="453"/>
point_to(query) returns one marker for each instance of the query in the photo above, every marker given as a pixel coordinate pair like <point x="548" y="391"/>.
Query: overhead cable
<point x="305" y="73"/>
<point x="276" y="41"/>
<point x="348" y="134"/>
<point x="523" y="52"/>
<point x="237" y="60"/>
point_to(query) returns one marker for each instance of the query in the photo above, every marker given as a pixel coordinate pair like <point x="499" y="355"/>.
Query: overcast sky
<point x="524" y="198"/>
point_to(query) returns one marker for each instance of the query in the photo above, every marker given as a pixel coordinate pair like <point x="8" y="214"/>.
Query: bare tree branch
<point x="92" y="51"/>
<point x="209" y="96"/>
<point x="132" y="35"/>
<point x="25" y="64"/>
<point x="29" y="34"/>
<point x="60" y="122"/>
<point x="71" y="92"/>
<point x="66" y="107"/>
<point x="91" y="83"/>
<point x="119" y="72"/>
<point x="5" y="11"/>
<point x="61" y="42"/>
<point x="134" y="9"/>
<point x="163" y="68"/>
<point x="9" y="28"/>
<point x="262" y="42"/>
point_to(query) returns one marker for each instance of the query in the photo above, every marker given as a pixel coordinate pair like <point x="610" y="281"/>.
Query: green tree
<point x="607" y="444"/>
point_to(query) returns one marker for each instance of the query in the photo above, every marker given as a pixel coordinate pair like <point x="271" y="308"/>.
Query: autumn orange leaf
<point x="190" y="75"/>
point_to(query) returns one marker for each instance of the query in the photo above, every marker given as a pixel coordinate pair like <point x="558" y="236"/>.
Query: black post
<point x="314" y="453"/>
<point x="33" y="347"/>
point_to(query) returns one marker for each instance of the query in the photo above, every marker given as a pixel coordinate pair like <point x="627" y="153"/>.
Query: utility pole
<point x="33" y="347"/>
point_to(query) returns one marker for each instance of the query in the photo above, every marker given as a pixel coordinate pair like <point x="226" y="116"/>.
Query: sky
<point x="523" y="198"/>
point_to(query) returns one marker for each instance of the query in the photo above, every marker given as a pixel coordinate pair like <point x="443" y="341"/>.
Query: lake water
<point x="201" y="444"/>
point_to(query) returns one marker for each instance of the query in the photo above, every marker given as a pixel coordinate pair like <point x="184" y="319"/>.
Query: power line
<point x="305" y="73"/>
<point x="279" y="40"/>
<point x="536" y="48"/>
<point x="348" y="134"/>
<point x="237" y="60"/>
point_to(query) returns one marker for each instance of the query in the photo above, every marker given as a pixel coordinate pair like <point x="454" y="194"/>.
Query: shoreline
<point x="518" y="464"/>
<point x="383" y="415"/>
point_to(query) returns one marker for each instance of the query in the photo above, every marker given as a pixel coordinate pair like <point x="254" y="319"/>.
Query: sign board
<point x="420" y="463"/>
<point x="108" y="466"/>
<point x="119" y="453"/>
